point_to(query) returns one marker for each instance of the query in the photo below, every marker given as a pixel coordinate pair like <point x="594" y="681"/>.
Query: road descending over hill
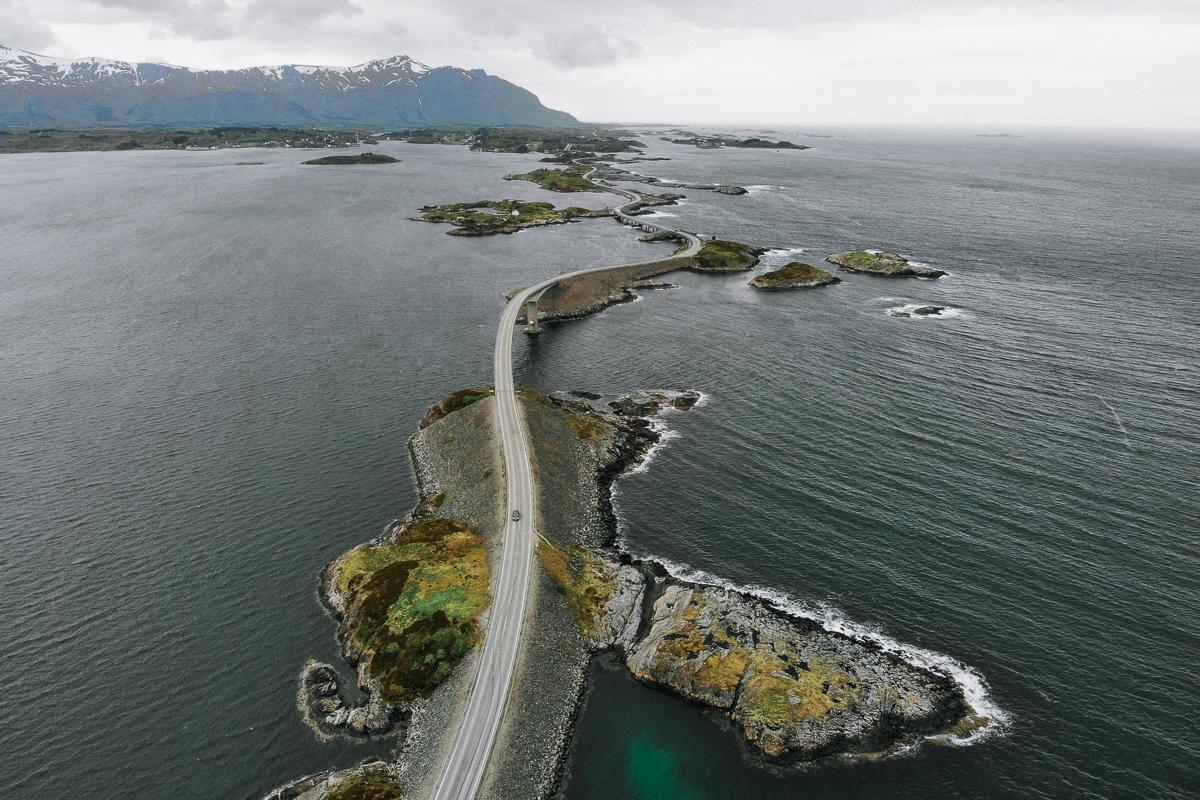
<point x="471" y="746"/>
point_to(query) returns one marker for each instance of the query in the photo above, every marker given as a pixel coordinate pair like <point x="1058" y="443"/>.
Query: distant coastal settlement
<point x="408" y="603"/>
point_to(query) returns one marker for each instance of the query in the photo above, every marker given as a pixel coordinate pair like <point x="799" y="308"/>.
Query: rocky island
<point x="716" y="142"/>
<point x="796" y="275"/>
<point x="489" y="217"/>
<point x="891" y="265"/>
<point x="558" y="180"/>
<point x="358" y="158"/>
<point x="719" y="255"/>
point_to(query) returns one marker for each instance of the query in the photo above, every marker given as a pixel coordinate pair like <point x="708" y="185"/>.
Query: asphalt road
<point x="471" y="746"/>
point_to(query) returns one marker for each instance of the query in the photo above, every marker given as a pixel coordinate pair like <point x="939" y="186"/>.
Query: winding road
<point x="470" y="748"/>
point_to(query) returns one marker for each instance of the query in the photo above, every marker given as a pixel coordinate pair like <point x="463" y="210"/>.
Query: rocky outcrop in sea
<point x="890" y="265"/>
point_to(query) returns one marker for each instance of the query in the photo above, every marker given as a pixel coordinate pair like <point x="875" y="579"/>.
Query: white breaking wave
<point x="946" y="313"/>
<point x="784" y="251"/>
<point x="665" y="435"/>
<point x="1117" y="417"/>
<point x="664" y="431"/>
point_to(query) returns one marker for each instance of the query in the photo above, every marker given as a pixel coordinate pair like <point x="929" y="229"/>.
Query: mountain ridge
<point x="82" y="92"/>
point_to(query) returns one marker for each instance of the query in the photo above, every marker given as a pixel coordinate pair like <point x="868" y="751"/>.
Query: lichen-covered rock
<point x="891" y="265"/>
<point x="616" y="622"/>
<point x="795" y="689"/>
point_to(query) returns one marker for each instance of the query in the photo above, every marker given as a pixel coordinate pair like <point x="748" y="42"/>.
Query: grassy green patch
<point x="777" y="697"/>
<point x="534" y="395"/>
<point x="718" y="255"/>
<point x="412" y="603"/>
<point x="795" y="273"/>
<point x="558" y="180"/>
<point x="581" y="577"/>
<point x="455" y="401"/>
<point x="365" y="786"/>
<point x="861" y="258"/>
<point x="585" y="426"/>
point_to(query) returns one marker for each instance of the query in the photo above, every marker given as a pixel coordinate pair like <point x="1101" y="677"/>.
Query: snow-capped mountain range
<point x="47" y="91"/>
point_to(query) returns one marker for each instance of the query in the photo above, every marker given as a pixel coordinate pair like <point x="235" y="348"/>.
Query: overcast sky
<point x="957" y="62"/>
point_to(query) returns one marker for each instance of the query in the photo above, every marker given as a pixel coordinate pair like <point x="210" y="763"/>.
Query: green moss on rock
<point x="365" y="786"/>
<point x="582" y="579"/>
<point x="455" y="401"/>
<point x="718" y="255"/>
<point x="412" y="603"/>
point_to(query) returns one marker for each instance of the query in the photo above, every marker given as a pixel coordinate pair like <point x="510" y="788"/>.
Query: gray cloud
<point x="19" y="28"/>
<point x="587" y="46"/>
<point x="291" y="12"/>
<point x="955" y="61"/>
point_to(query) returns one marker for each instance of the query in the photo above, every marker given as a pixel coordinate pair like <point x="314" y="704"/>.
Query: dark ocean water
<point x="209" y="372"/>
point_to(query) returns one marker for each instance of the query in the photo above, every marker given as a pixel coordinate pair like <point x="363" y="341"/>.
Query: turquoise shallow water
<point x="210" y="372"/>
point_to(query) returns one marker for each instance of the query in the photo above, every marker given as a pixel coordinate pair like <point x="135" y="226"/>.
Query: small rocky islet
<point x="796" y="275"/>
<point x="721" y="255"/>
<point x="358" y="158"/>
<point x="919" y="311"/>
<point x="890" y="265"/>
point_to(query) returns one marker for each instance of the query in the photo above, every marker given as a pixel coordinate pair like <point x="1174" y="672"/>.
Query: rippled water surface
<point x="209" y="372"/>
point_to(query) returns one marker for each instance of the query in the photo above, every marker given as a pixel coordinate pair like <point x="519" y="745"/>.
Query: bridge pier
<point x="531" y="317"/>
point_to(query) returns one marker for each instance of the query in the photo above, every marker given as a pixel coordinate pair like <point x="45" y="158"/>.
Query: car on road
<point x="516" y="515"/>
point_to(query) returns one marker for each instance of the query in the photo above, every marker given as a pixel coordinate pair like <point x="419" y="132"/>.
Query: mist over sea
<point x="208" y="372"/>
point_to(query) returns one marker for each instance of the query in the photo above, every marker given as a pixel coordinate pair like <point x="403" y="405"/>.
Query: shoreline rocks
<point x="795" y="690"/>
<point x="327" y="710"/>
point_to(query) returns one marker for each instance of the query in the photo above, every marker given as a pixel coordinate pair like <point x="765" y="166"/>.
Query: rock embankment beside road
<point x="424" y="571"/>
<point x="797" y="691"/>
